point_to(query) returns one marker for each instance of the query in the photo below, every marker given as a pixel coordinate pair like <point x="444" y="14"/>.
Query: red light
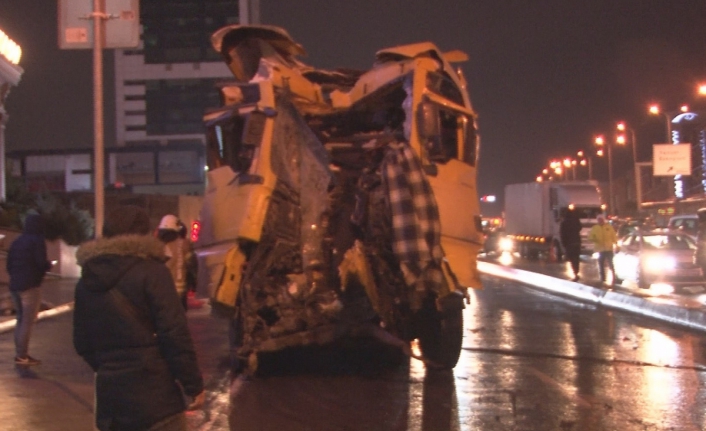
<point x="195" y="230"/>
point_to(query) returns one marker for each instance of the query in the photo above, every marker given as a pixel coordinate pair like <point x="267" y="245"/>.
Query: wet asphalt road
<point x="531" y="361"/>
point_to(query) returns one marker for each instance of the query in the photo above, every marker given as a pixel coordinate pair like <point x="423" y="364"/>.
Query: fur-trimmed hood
<point x="105" y="260"/>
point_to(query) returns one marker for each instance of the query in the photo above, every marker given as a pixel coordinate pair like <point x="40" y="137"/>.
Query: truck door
<point x="447" y="134"/>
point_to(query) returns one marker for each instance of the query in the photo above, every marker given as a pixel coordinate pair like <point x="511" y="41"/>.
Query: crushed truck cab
<point x="339" y="203"/>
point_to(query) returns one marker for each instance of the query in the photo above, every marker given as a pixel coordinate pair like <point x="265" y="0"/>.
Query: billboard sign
<point x="671" y="160"/>
<point x="122" y="24"/>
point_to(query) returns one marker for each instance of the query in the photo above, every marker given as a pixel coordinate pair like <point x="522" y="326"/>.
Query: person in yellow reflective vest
<point x="604" y="238"/>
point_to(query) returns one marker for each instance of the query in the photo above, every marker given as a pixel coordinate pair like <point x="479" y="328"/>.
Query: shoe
<point x="577" y="278"/>
<point x="27" y="360"/>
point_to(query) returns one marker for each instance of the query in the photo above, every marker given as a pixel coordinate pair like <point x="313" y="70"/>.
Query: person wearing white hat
<point x="181" y="258"/>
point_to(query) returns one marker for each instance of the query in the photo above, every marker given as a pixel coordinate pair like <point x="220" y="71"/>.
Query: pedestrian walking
<point x="604" y="238"/>
<point x="181" y="261"/>
<point x="570" y="235"/>
<point x="700" y="255"/>
<point x="130" y="328"/>
<point x="27" y="265"/>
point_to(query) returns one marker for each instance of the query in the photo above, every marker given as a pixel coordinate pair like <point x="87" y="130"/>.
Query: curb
<point x="690" y="318"/>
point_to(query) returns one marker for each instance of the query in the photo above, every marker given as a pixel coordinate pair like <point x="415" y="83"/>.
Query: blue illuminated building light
<point x="676" y="139"/>
<point x="702" y="147"/>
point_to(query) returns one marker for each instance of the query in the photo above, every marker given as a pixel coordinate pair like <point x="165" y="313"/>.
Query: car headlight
<point x="659" y="263"/>
<point x="505" y="244"/>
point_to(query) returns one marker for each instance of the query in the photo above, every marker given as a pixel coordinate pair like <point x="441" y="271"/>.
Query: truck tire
<point x="532" y="253"/>
<point x="557" y="251"/>
<point x="440" y="333"/>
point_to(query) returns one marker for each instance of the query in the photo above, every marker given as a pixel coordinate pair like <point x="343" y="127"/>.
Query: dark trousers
<point x="605" y="258"/>
<point x="573" y="255"/>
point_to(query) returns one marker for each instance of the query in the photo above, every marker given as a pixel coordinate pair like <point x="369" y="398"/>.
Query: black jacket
<point x="570" y="231"/>
<point x="27" y="258"/>
<point x="140" y="350"/>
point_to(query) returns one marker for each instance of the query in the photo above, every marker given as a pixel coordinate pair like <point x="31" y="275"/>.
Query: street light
<point x="601" y="142"/>
<point x="567" y="165"/>
<point x="701" y="90"/>
<point x="622" y="127"/>
<point x="586" y="161"/>
<point x="655" y="109"/>
<point x="559" y="171"/>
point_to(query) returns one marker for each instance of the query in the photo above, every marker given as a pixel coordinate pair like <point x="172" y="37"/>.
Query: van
<point x="687" y="223"/>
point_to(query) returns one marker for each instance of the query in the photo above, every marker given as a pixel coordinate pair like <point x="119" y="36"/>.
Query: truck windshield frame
<point x="458" y="137"/>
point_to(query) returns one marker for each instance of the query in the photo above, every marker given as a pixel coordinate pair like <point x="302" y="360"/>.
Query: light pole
<point x="586" y="161"/>
<point x="567" y="165"/>
<point x="573" y="168"/>
<point x="622" y="127"/>
<point x="601" y="142"/>
<point x="655" y="109"/>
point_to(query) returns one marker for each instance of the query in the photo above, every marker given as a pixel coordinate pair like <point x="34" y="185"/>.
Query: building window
<point x="179" y="167"/>
<point x="134" y="168"/>
<point x="177" y="106"/>
<point x="181" y="32"/>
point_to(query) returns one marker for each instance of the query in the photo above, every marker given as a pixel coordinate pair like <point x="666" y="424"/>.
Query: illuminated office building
<point x="10" y="74"/>
<point x="163" y="88"/>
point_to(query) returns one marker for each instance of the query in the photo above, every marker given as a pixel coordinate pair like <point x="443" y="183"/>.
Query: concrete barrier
<point x="685" y="312"/>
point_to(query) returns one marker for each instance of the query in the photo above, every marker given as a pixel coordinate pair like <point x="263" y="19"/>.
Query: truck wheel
<point x="441" y="332"/>
<point x="556" y="250"/>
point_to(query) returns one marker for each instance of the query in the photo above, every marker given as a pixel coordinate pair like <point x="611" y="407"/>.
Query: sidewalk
<point x="687" y="311"/>
<point x="57" y="297"/>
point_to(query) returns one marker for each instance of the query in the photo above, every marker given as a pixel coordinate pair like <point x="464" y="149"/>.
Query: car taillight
<point x="195" y="230"/>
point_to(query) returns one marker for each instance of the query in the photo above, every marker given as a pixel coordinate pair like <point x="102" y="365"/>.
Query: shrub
<point x="61" y="220"/>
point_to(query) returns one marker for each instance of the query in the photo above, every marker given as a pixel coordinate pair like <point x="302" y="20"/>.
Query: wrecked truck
<point x="339" y="203"/>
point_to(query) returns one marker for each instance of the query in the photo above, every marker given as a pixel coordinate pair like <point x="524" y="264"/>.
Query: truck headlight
<point x="505" y="244"/>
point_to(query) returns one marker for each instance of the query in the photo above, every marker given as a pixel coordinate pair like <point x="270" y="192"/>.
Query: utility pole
<point x="98" y="136"/>
<point x="119" y="29"/>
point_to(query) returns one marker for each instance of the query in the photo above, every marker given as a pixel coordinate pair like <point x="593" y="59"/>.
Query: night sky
<point x="545" y="76"/>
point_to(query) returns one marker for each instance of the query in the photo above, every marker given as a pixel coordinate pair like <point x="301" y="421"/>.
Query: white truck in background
<point x="533" y="212"/>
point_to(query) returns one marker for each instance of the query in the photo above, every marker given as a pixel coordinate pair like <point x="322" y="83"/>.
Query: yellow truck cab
<point x="339" y="203"/>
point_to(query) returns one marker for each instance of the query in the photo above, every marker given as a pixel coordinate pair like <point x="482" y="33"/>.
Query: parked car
<point x="687" y="223"/>
<point x="658" y="257"/>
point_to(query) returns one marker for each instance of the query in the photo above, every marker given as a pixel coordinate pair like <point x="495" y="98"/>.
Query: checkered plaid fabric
<point x="415" y="218"/>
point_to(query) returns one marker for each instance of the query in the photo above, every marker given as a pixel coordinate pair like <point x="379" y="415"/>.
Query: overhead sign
<point x="671" y="160"/>
<point x="122" y="24"/>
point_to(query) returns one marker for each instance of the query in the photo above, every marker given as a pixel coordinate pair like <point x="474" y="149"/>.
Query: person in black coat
<point x="570" y="233"/>
<point x="26" y="265"/>
<point x="130" y="327"/>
